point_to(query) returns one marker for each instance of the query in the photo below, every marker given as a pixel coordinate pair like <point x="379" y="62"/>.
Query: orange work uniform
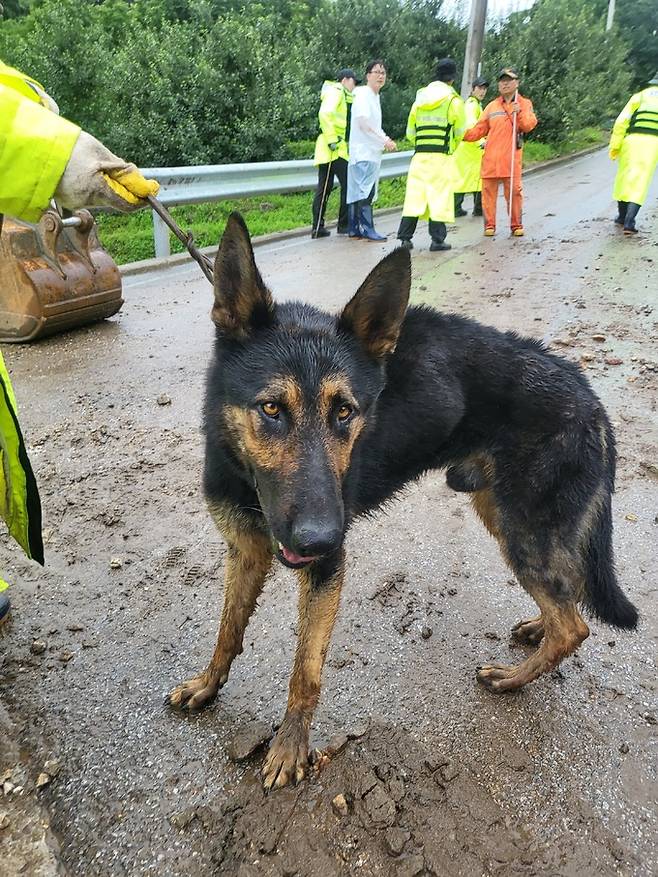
<point x="496" y="124"/>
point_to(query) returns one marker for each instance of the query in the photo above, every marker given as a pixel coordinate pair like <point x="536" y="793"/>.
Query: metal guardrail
<point x="205" y="183"/>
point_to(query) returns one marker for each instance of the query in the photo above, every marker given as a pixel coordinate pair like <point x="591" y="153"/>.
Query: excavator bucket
<point x="54" y="276"/>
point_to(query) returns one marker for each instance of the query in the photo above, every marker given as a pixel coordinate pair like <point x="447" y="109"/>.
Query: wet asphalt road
<point x="444" y="778"/>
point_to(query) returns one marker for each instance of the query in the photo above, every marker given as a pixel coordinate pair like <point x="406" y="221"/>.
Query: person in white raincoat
<point x="435" y="127"/>
<point x="367" y="142"/>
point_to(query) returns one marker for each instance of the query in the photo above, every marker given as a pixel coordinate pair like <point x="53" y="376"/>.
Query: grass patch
<point x="130" y="238"/>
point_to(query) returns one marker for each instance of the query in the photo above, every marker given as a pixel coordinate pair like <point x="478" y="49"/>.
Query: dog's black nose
<point x="313" y="541"/>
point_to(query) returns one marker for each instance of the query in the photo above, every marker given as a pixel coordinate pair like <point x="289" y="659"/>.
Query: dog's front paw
<point x="287" y="759"/>
<point x="196" y="693"/>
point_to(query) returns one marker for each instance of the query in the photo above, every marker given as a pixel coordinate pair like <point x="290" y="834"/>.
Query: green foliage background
<point x="181" y="82"/>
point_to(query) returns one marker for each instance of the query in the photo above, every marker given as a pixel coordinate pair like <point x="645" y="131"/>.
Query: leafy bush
<point x="184" y="82"/>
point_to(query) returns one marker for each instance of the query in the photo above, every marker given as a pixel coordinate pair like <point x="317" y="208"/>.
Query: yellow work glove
<point x="614" y="154"/>
<point x="95" y="177"/>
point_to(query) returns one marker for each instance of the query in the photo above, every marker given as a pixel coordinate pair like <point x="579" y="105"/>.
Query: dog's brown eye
<point x="344" y="413"/>
<point x="271" y="409"/>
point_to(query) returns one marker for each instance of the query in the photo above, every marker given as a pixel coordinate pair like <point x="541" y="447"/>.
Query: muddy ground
<point x="438" y="776"/>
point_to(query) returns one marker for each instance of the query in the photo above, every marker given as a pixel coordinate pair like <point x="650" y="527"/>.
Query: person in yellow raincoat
<point x="331" y="148"/>
<point x="435" y="127"/>
<point x="468" y="156"/>
<point x="634" y="141"/>
<point x="44" y="156"/>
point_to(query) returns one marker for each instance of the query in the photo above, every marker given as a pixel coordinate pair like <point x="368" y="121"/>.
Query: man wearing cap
<point x="634" y="140"/>
<point x="468" y="156"/>
<point x="331" y="148"/>
<point x="502" y="160"/>
<point x="435" y="127"/>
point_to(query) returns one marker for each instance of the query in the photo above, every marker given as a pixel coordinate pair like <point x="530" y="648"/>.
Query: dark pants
<point x="477" y="202"/>
<point x="628" y="210"/>
<point x="408" y="225"/>
<point x="336" y="168"/>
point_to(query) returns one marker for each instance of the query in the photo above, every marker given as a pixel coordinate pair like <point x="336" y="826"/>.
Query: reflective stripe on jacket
<point x="35" y="146"/>
<point x="496" y="124"/>
<point x="436" y="119"/>
<point x="634" y="138"/>
<point x="335" y="102"/>
<point x="435" y="127"/>
<point x="468" y="156"/>
<point x="19" y="498"/>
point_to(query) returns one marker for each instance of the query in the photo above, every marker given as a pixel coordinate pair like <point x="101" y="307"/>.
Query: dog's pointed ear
<point x="376" y="311"/>
<point x="242" y="301"/>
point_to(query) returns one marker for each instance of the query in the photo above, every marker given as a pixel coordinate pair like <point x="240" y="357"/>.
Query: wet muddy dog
<point x="313" y="419"/>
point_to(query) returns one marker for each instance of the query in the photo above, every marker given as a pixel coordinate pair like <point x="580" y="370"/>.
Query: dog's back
<point x="521" y="430"/>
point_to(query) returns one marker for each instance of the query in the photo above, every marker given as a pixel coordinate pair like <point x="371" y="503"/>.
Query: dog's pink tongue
<point x="291" y="557"/>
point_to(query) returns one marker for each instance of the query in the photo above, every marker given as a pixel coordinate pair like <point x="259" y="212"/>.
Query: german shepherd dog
<point x="312" y="420"/>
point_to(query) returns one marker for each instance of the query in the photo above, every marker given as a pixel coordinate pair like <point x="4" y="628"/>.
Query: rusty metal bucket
<point x="54" y="276"/>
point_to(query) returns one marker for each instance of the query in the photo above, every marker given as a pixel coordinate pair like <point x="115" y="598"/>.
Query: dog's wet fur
<point x="313" y="419"/>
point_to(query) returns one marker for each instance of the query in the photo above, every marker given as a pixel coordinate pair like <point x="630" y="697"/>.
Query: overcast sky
<point x="495" y="8"/>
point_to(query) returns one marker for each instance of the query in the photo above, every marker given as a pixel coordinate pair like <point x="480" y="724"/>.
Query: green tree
<point x="574" y="72"/>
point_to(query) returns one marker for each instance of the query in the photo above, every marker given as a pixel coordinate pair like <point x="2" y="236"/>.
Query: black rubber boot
<point x="477" y="203"/>
<point x="321" y="232"/>
<point x="629" y="221"/>
<point x="438" y="232"/>
<point x="406" y="231"/>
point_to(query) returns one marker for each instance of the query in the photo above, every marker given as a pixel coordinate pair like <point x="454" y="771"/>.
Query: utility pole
<point x="474" y="44"/>
<point x="611" y="14"/>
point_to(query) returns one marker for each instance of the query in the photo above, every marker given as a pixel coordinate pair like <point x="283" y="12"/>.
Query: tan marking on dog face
<point x="252" y="441"/>
<point x="334" y="392"/>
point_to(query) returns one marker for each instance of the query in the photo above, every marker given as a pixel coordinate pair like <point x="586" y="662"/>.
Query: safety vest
<point x="431" y="121"/>
<point x="334" y="117"/>
<point x="645" y="118"/>
<point x="30" y="167"/>
<point x="433" y="130"/>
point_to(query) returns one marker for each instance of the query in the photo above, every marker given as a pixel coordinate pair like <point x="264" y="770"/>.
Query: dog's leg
<point x="248" y="561"/>
<point x="318" y="604"/>
<point x="560" y="628"/>
<point x="564" y="630"/>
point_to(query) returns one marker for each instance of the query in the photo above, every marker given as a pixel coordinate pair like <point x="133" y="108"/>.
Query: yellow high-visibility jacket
<point x="35" y="146"/>
<point x="435" y="126"/>
<point x="468" y="156"/>
<point x="335" y="103"/>
<point x="20" y="506"/>
<point x="635" y="139"/>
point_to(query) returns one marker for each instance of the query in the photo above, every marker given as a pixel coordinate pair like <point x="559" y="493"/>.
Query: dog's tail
<point x="603" y="596"/>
